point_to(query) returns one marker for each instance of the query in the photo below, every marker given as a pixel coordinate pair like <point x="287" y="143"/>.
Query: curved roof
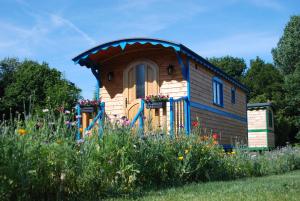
<point x="83" y="58"/>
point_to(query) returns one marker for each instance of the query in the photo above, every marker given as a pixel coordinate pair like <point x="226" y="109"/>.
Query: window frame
<point x="218" y="92"/>
<point x="233" y="95"/>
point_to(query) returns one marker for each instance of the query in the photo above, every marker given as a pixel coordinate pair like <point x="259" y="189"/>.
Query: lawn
<point x="276" y="187"/>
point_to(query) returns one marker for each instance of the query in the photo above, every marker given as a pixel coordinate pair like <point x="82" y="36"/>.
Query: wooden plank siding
<point x="201" y="91"/>
<point x="112" y="92"/>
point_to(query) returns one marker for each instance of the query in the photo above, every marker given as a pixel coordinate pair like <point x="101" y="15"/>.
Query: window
<point x="140" y="80"/>
<point x="233" y="95"/>
<point x="217" y="91"/>
<point x="270" y="118"/>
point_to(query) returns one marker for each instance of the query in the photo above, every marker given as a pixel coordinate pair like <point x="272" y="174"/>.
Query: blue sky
<point x="55" y="31"/>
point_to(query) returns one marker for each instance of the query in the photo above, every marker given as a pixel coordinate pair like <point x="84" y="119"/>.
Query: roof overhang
<point x="255" y="106"/>
<point x="86" y="58"/>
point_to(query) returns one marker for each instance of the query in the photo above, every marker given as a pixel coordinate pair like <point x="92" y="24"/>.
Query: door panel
<point x="134" y="82"/>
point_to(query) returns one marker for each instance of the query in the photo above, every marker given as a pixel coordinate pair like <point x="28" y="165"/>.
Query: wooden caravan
<point x="260" y="126"/>
<point x="129" y="70"/>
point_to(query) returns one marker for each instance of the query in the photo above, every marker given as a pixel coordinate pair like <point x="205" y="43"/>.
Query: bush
<point x="41" y="160"/>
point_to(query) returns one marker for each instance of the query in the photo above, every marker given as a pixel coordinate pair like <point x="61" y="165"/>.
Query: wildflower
<point x="215" y="142"/>
<point x="45" y="110"/>
<point x="186" y="151"/>
<point x="233" y="152"/>
<point x="80" y="129"/>
<point x="80" y="141"/>
<point x="22" y="131"/>
<point x="126" y="123"/>
<point x="215" y="136"/>
<point x="78" y="116"/>
<point x="181" y="126"/>
<point x="180" y="158"/>
<point x="67" y="112"/>
<point x="195" y="123"/>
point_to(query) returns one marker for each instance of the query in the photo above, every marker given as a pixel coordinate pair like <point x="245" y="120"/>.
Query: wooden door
<point x="140" y="80"/>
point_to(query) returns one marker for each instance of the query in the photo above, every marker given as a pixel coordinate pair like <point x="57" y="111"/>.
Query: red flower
<point x="195" y="123"/>
<point x="215" y="136"/>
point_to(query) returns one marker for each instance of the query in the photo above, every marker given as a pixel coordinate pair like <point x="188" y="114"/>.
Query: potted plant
<point x="156" y="101"/>
<point x="89" y="105"/>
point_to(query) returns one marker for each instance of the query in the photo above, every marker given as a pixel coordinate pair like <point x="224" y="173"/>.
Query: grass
<point x="275" y="187"/>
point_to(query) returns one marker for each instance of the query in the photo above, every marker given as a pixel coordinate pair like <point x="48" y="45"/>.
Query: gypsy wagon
<point x="260" y="126"/>
<point x="129" y="70"/>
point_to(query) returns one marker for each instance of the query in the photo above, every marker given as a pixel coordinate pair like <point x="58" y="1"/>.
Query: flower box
<point x="155" y="105"/>
<point x="87" y="109"/>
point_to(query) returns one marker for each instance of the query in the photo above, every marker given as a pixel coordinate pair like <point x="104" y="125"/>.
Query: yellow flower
<point x="180" y="158"/>
<point x="80" y="129"/>
<point x="233" y="152"/>
<point x="22" y="131"/>
<point x="186" y="151"/>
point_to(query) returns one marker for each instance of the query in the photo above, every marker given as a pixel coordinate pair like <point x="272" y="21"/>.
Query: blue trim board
<point x="217" y="111"/>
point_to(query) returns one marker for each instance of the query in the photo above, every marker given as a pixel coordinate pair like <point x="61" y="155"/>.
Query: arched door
<point x="140" y="80"/>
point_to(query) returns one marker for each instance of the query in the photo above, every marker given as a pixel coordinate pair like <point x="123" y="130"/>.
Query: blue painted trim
<point x="189" y="96"/>
<point x="141" y="118"/>
<point x="183" y="67"/>
<point x="101" y="120"/>
<point x="219" y="112"/>
<point x="91" y="125"/>
<point x="78" y="122"/>
<point x="96" y="73"/>
<point x="171" y="117"/>
<point x="136" y="117"/>
<point x="123" y="43"/>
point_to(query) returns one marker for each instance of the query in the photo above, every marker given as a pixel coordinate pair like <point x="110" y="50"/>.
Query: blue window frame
<point x="218" y="92"/>
<point x="233" y="95"/>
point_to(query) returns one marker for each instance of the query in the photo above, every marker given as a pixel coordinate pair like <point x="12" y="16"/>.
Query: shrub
<point x="40" y="160"/>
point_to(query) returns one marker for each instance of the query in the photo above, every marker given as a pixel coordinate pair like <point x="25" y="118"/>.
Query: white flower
<point x="45" y="110"/>
<point x="67" y="112"/>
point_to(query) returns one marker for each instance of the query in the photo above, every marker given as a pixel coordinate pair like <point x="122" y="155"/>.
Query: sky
<point x="55" y="31"/>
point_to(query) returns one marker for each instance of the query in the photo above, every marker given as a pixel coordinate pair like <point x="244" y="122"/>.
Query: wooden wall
<point x="202" y="92"/>
<point x="112" y="92"/>
<point x="257" y="119"/>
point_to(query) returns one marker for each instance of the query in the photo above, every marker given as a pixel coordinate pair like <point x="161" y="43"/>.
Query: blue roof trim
<point x="83" y="57"/>
<point x="123" y="43"/>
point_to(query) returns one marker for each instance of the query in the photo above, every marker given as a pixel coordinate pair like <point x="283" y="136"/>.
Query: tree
<point x="264" y="81"/>
<point x="287" y="53"/>
<point x="233" y="66"/>
<point x="35" y="84"/>
<point x="287" y="59"/>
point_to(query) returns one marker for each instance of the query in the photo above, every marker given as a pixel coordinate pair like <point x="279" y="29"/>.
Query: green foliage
<point x="40" y="160"/>
<point x="29" y="83"/>
<point x="233" y="66"/>
<point x="287" y="53"/>
<point x="264" y="82"/>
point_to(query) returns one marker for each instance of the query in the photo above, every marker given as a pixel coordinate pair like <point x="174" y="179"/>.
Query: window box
<point x="155" y="105"/>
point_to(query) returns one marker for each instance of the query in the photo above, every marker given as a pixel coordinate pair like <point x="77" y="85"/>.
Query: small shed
<point x="260" y="126"/>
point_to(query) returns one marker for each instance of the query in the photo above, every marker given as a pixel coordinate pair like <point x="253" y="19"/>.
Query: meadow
<point x="41" y="160"/>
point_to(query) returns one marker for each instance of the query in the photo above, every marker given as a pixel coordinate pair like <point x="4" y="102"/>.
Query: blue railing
<point x="139" y="116"/>
<point x="99" y="117"/>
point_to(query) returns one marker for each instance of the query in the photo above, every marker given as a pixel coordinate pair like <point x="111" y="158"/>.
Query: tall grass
<point x="41" y="160"/>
